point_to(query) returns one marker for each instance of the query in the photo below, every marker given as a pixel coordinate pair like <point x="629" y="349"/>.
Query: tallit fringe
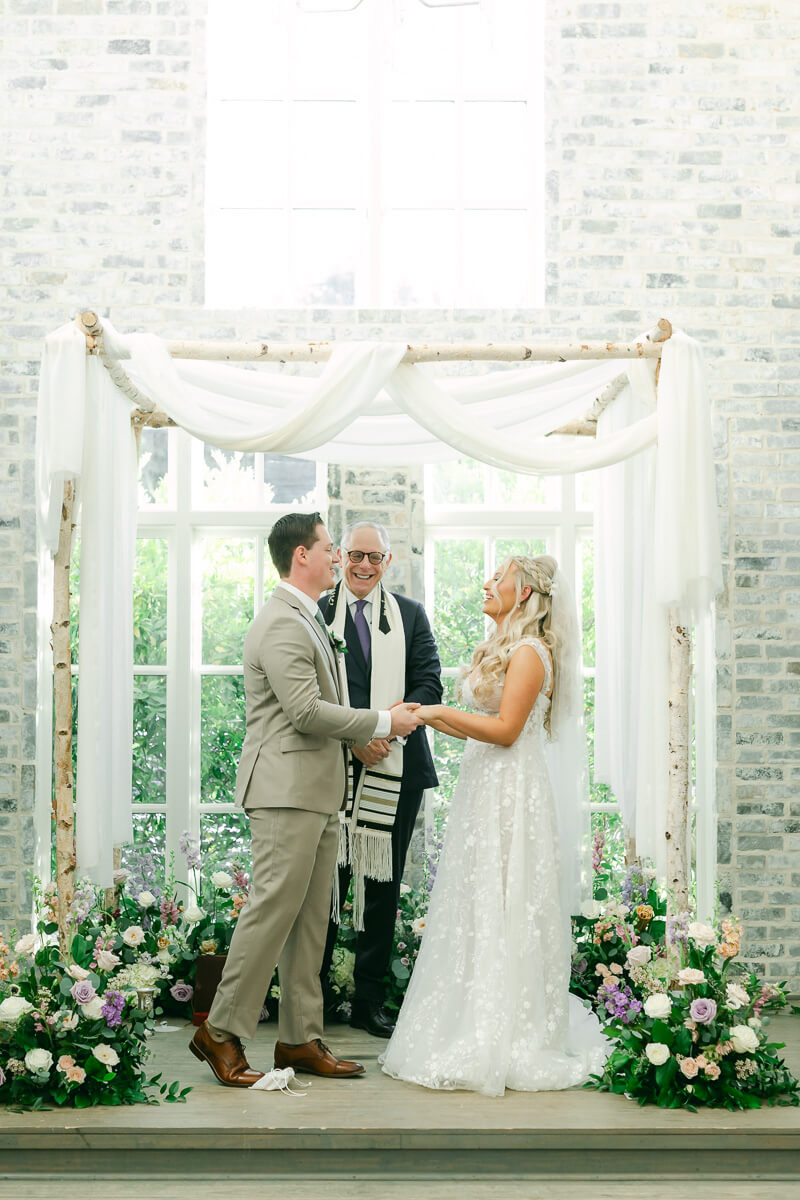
<point x="343" y="850"/>
<point x="370" y="855"/>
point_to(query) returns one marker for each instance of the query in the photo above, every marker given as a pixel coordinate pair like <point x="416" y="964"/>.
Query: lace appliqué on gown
<point x="488" y="1006"/>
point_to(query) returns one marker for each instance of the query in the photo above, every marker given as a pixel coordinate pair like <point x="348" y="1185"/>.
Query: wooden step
<point x="376" y="1128"/>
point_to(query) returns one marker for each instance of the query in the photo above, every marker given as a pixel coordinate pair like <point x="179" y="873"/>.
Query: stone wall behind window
<point x="672" y="189"/>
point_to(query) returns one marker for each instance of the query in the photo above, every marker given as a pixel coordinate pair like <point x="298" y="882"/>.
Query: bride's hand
<point x="429" y="712"/>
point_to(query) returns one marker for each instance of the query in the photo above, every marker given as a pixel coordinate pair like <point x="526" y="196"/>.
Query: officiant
<point x="391" y="655"/>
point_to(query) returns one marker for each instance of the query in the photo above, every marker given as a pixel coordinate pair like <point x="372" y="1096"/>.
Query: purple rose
<point x="82" y="991"/>
<point x="703" y="1011"/>
<point x="182" y="992"/>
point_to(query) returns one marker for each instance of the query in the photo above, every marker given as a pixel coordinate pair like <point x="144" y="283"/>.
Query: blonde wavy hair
<point x="528" y="618"/>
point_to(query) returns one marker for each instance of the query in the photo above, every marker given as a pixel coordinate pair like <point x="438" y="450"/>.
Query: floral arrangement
<point x="689" y="1025"/>
<point x="408" y="931"/>
<point x="73" y="1031"/>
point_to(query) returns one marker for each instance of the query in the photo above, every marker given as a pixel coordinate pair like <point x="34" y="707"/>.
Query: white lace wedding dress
<point x="488" y="1005"/>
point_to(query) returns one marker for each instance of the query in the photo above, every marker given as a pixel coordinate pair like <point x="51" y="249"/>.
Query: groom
<point x="291" y="783"/>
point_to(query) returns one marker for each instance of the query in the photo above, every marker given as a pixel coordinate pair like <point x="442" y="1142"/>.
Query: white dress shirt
<point x="384" y="725"/>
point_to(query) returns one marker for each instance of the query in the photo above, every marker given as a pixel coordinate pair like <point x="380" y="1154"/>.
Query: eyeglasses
<point x="357" y="556"/>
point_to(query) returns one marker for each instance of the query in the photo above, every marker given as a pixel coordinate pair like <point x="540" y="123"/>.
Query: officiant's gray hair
<point x="381" y="531"/>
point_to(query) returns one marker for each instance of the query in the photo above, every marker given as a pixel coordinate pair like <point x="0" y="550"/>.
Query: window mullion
<point x="179" y="680"/>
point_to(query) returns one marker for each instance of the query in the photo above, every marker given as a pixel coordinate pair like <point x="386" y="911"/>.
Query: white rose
<point x="120" y="877"/>
<point x="26" y="945"/>
<point x="703" y="935"/>
<point x="658" y="1006"/>
<point x="744" y="1039"/>
<point x="38" y="1060"/>
<point x="68" y="1020"/>
<point x="737" y="997"/>
<point x="77" y="972"/>
<point x="591" y="910"/>
<point x="145" y="899"/>
<point x="193" y="915"/>
<point x="14" y="1007"/>
<point x="754" y="1023"/>
<point x="93" y="1011"/>
<point x="133" y="935"/>
<point x="220" y="880"/>
<point x="106" y="1054"/>
<point x="404" y="889"/>
<point x="418" y="926"/>
<point x="691" y="975"/>
<point x="657" y="1053"/>
<point x="637" y="956"/>
<point x="106" y="960"/>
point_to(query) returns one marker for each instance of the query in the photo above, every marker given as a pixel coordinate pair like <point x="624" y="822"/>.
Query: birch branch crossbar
<point x="91" y="326"/>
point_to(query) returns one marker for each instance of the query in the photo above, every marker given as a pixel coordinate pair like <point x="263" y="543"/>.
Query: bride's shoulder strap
<point x="544" y="654"/>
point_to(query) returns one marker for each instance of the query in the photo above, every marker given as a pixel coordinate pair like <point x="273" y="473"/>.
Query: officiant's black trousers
<point x="374" y="944"/>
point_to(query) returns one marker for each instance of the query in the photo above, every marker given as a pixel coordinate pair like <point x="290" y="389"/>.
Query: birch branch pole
<point x="677" y="832"/>
<point x="62" y="734"/>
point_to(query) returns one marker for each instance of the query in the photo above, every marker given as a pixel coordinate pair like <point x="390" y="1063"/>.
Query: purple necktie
<point x="362" y="628"/>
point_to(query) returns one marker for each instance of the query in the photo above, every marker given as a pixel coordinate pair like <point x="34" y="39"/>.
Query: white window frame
<point x="182" y="526"/>
<point x="567" y="526"/>
<point x="370" y="95"/>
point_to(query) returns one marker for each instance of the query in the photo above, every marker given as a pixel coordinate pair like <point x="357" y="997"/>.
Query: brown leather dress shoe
<point x="315" y="1058"/>
<point x="226" y="1059"/>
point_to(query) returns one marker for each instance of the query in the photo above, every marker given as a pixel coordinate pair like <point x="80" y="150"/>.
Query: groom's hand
<point x="372" y="754"/>
<point x="404" y="718"/>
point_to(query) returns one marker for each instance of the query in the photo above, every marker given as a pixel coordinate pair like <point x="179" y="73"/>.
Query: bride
<point x="488" y="1005"/>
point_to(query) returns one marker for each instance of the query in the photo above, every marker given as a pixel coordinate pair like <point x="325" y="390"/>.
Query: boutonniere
<point x="339" y="644"/>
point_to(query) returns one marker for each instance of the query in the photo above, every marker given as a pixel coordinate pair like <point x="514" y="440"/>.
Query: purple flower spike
<point x="112" y="1009"/>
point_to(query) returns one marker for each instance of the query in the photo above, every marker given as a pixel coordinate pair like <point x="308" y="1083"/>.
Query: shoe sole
<point x="198" y="1053"/>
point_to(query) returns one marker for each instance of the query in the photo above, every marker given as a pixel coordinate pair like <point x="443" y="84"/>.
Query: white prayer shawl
<point x="367" y="823"/>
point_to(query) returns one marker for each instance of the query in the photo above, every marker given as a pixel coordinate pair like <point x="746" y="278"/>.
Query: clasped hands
<point x="406" y="717"/>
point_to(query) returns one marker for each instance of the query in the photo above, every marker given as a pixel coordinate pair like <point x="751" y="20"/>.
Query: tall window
<point x="475" y="517"/>
<point x="386" y="156"/>
<point x="202" y="572"/>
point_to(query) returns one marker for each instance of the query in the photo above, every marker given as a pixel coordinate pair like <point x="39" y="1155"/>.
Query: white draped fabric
<point x="365" y="406"/>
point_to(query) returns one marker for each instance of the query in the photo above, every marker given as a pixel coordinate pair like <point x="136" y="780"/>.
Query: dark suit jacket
<point x="423" y="680"/>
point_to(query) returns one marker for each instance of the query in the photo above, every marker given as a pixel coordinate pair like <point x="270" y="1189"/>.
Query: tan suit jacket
<point x="293" y="754"/>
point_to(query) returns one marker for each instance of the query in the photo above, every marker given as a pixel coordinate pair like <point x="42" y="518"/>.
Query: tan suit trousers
<point x="283" y="924"/>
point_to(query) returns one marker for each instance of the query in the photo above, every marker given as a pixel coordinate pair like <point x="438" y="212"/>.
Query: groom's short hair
<point x="289" y="532"/>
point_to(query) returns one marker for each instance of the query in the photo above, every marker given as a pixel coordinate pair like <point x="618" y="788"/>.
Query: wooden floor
<point x="374" y="1136"/>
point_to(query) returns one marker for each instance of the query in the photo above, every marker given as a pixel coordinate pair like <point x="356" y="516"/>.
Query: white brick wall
<point x="672" y="189"/>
